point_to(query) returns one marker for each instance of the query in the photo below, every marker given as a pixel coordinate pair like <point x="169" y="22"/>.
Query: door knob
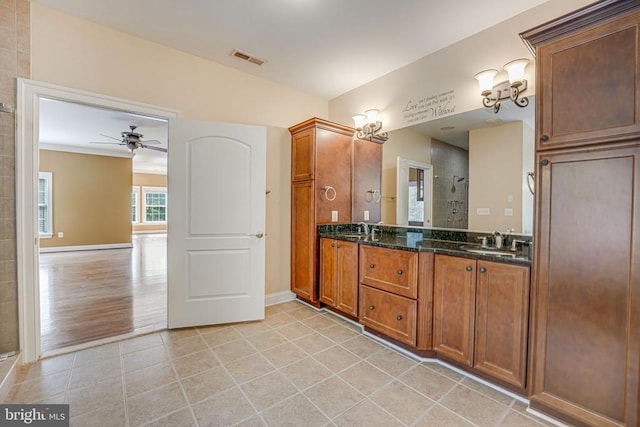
<point x="259" y="235"/>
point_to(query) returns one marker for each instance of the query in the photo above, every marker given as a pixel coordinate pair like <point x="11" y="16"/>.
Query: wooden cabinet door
<point x="390" y="314"/>
<point x="586" y="317"/>
<point x="589" y="85"/>
<point x="454" y="307"/>
<point x="328" y="267"/>
<point x="502" y="320"/>
<point x="367" y="177"/>
<point x="333" y="176"/>
<point x="347" y="272"/>
<point x="303" y="241"/>
<point x="302" y="155"/>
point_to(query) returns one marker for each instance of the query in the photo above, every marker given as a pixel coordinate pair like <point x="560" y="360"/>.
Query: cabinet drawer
<point x="391" y="270"/>
<point x="390" y="314"/>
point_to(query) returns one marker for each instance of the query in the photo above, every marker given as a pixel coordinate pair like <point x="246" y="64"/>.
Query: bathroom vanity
<point x="436" y="293"/>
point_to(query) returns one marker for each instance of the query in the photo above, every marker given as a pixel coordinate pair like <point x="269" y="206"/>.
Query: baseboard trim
<point x="278" y="298"/>
<point x="149" y="232"/>
<point x="86" y="247"/>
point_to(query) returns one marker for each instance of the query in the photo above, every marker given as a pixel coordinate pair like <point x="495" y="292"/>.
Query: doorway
<point x="414" y="193"/>
<point x="102" y="179"/>
<point x="29" y="95"/>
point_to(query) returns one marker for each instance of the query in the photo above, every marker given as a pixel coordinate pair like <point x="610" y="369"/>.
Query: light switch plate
<point x="334" y="216"/>
<point x="366" y="215"/>
<point x="483" y="211"/>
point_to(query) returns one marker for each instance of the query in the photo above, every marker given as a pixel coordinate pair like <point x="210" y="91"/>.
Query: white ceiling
<point x="81" y="128"/>
<point x="321" y="47"/>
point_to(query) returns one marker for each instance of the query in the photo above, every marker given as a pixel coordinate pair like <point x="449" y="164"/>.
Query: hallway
<point x="91" y="295"/>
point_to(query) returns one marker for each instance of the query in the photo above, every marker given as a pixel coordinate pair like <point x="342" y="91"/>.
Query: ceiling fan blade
<point x="108" y="143"/>
<point x="152" y="141"/>
<point x="107" y="136"/>
<point x="164" y="150"/>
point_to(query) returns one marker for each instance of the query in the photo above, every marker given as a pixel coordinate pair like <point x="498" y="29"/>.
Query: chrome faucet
<point x="374" y="228"/>
<point x="365" y="228"/>
<point x="497" y="236"/>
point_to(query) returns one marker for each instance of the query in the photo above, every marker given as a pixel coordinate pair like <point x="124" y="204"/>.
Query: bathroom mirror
<point x="477" y="164"/>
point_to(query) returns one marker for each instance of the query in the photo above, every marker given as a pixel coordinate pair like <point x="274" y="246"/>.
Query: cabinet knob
<point x="544" y="162"/>
<point x="399" y="317"/>
<point x="399" y="272"/>
<point x="339" y="245"/>
<point x="544" y="138"/>
<point x="333" y="245"/>
<point x="483" y="270"/>
<point x="371" y="265"/>
<point x="469" y="268"/>
<point x="371" y="307"/>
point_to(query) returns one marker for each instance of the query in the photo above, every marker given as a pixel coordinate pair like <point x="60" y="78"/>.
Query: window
<point x="45" y="214"/>
<point x="155" y="204"/>
<point x="135" y="205"/>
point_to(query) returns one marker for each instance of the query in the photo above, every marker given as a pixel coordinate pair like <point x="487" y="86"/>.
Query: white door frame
<point x="27" y="135"/>
<point x="402" y="190"/>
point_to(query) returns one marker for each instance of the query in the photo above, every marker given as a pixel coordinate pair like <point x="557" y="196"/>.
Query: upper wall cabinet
<point x="589" y="82"/>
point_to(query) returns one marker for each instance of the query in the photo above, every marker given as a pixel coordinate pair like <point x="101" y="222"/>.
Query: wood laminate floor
<point x="91" y="295"/>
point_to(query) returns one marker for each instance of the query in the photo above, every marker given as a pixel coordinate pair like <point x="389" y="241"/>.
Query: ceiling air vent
<point x="247" y="57"/>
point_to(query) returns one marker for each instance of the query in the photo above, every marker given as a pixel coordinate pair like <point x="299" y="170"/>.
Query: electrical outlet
<point x="508" y="212"/>
<point x="366" y="215"/>
<point x="334" y="216"/>
<point x="60" y="234"/>
<point x="483" y="211"/>
<point x="510" y="198"/>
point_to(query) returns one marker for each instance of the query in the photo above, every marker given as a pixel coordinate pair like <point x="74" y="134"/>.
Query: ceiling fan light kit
<point x="133" y="140"/>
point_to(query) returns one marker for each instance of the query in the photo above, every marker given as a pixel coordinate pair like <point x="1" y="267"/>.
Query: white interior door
<point x="216" y="223"/>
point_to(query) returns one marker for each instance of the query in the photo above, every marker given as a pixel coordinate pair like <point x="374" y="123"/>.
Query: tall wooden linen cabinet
<point x="334" y="179"/>
<point x="585" y="338"/>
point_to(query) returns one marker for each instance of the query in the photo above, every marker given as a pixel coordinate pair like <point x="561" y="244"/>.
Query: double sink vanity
<point x="436" y="293"/>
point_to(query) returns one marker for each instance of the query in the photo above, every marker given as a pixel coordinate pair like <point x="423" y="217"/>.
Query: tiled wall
<point x="449" y="161"/>
<point x="14" y="62"/>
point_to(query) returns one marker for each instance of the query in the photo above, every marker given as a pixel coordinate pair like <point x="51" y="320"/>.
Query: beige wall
<point x="449" y="69"/>
<point x="91" y="198"/>
<point x="496" y="185"/>
<point x="403" y="143"/>
<point x="149" y="180"/>
<point x="76" y="53"/>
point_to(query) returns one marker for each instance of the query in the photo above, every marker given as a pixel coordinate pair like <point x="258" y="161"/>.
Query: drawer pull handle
<point x="399" y="317"/>
<point x="371" y="265"/>
<point x="468" y="268"/>
<point x="399" y="272"/>
<point x="483" y="270"/>
<point x="371" y="307"/>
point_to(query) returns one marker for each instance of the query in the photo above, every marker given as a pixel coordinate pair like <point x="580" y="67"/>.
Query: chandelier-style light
<point x="368" y="127"/>
<point x="492" y="95"/>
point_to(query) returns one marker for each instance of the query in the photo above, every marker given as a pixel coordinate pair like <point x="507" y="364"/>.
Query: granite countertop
<point x="417" y="242"/>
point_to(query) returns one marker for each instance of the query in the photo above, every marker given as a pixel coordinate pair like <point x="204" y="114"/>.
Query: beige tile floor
<point x="298" y="367"/>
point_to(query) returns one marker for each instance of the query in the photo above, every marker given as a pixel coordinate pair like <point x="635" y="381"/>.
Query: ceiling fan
<point x="133" y="140"/>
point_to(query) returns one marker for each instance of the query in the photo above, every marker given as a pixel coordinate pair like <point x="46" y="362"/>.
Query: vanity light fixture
<point x="368" y="127"/>
<point x="511" y="89"/>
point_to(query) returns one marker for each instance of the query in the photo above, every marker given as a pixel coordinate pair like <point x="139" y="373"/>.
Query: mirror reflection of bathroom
<point x="458" y="203"/>
<point x="414" y="192"/>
